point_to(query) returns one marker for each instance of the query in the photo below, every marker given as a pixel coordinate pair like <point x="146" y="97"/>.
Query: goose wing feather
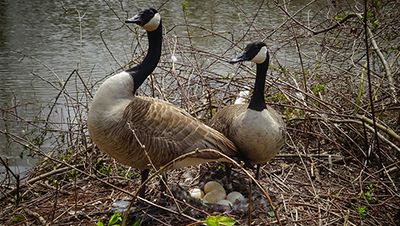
<point x="223" y="119"/>
<point x="167" y="132"/>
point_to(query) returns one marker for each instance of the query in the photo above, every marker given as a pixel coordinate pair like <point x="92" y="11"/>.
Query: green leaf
<point x="136" y="223"/>
<point x="211" y="221"/>
<point x="114" y="219"/>
<point x="368" y="195"/>
<point x="100" y="223"/>
<point x="184" y="6"/>
<point x="18" y="218"/>
<point x="226" y="76"/>
<point x="362" y="212"/>
<point x="271" y="213"/>
<point x="375" y="24"/>
<point x="219" y="220"/>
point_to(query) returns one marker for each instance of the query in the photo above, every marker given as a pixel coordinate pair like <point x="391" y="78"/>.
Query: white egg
<point x="233" y="196"/>
<point x="215" y="196"/>
<point x="213" y="185"/>
<point x="196" y="193"/>
<point x="225" y="202"/>
<point x="203" y="201"/>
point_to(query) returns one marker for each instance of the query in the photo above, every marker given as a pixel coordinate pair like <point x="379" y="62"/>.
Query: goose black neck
<point x="257" y="101"/>
<point x="144" y="69"/>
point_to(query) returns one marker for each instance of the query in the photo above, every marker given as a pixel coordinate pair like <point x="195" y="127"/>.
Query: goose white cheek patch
<point x="153" y="23"/>
<point x="261" y="56"/>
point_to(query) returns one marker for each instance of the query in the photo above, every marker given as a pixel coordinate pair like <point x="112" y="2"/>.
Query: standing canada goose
<point x="257" y="131"/>
<point x="118" y="119"/>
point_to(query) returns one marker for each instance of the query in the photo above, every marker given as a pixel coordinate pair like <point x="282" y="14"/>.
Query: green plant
<point x="64" y="157"/>
<point x="226" y="76"/>
<point x="271" y="213"/>
<point x="105" y="169"/>
<point x="184" y="6"/>
<point x="292" y="113"/>
<point x="73" y="174"/>
<point x="368" y="195"/>
<point x="369" y="15"/>
<point x="362" y="212"/>
<point x="376" y="3"/>
<point x="222" y="166"/>
<point x="219" y="221"/>
<point x="278" y="97"/>
<point x="114" y="219"/>
<point x="18" y="218"/>
<point x="38" y="140"/>
<point x="53" y="181"/>
<point x="123" y="172"/>
<point x="282" y="70"/>
<point x="318" y="88"/>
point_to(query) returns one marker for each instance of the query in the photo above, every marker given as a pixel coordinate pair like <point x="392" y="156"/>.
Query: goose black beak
<point x="136" y="19"/>
<point x="242" y="57"/>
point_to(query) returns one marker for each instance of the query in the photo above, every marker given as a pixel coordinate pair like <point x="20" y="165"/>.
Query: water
<point x="43" y="42"/>
<point x="40" y="48"/>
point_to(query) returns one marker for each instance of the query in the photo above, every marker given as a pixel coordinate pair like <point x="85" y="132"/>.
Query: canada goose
<point x="118" y="119"/>
<point x="257" y="131"/>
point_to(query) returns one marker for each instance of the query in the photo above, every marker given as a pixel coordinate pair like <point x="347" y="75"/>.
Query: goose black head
<point x="256" y="52"/>
<point x="149" y="19"/>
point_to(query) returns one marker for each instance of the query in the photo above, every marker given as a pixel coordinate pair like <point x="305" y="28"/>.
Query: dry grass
<point x="336" y="160"/>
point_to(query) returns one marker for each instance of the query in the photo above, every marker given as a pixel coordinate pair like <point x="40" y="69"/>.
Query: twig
<point x="301" y="62"/>
<point x="377" y="149"/>
<point x="34" y="180"/>
<point x="58" y="96"/>
<point x="288" y="19"/>
<point x="252" y="21"/>
<point x="360" y="89"/>
<point x="385" y="129"/>
<point x="385" y="64"/>
<point x="37" y="216"/>
<point x="336" y="25"/>
<point x="292" y="18"/>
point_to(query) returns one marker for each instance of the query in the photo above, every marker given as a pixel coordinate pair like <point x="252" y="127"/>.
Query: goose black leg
<point x="257" y="172"/>
<point x="228" y="172"/>
<point x="145" y="175"/>
<point x="163" y="187"/>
